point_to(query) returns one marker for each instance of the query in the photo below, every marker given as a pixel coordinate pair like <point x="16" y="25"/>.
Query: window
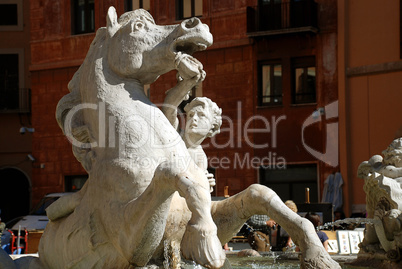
<point x="8" y="14"/>
<point x="83" y="16"/>
<point x="11" y="15"/>
<point x="270" y="14"/>
<point x="304" y="80"/>
<point x="189" y="8"/>
<point x="281" y="14"/>
<point x="74" y="183"/>
<point x="291" y="182"/>
<point x="13" y="96"/>
<point x="136" y="4"/>
<point x="271" y="84"/>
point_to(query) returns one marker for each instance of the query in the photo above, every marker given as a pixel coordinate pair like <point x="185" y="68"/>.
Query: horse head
<point x="140" y="49"/>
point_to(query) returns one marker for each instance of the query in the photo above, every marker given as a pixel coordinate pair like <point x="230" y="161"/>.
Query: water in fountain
<point x="268" y="260"/>
<point x="329" y="225"/>
<point x="171" y="253"/>
<point x="263" y="262"/>
<point x="235" y="262"/>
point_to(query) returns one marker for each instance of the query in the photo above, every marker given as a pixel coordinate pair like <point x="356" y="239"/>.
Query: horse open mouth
<point x="196" y="38"/>
<point x="192" y="41"/>
<point x="189" y="47"/>
<point x="185" y="63"/>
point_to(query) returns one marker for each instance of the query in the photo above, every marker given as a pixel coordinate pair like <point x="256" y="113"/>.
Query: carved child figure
<point x="383" y="184"/>
<point x="389" y="166"/>
<point x="203" y="120"/>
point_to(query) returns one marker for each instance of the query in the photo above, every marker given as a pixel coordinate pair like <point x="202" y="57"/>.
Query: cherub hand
<point x="189" y="67"/>
<point x="187" y="96"/>
<point x="211" y="180"/>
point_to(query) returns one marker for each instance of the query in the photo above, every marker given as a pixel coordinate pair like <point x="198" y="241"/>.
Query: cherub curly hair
<point x="216" y="112"/>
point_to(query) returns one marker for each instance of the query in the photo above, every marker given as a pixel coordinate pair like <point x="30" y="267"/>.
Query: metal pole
<point x="307" y="195"/>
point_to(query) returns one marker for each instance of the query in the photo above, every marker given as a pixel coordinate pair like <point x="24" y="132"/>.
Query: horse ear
<point x="111" y="21"/>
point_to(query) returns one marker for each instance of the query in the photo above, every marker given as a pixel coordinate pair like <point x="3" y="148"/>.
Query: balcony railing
<point x="278" y="18"/>
<point x="15" y="100"/>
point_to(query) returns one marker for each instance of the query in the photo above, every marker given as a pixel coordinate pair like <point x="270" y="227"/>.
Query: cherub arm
<point x="173" y="98"/>
<point x="190" y="73"/>
<point x="391" y="171"/>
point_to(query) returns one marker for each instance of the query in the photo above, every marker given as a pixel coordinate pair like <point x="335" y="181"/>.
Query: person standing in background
<point x="315" y="219"/>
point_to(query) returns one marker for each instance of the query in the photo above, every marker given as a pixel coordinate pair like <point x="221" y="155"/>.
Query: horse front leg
<point x="230" y="214"/>
<point x="150" y="210"/>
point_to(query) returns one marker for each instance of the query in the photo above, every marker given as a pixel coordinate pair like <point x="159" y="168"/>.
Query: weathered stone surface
<point x="147" y="187"/>
<point x="248" y="253"/>
<point x="382" y="184"/>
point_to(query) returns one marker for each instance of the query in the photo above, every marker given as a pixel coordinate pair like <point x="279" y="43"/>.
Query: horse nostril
<point x="191" y="23"/>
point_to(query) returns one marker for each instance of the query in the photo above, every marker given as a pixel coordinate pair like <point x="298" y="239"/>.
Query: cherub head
<point x="393" y="154"/>
<point x="203" y="119"/>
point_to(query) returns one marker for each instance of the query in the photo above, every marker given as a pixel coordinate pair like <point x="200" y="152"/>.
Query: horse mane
<point x="132" y="15"/>
<point x="79" y="130"/>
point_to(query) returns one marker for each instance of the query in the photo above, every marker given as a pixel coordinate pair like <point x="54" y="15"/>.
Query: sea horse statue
<point x="144" y="188"/>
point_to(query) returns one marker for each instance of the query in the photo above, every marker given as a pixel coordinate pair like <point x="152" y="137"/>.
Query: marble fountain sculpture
<point x="144" y="190"/>
<point x="383" y="186"/>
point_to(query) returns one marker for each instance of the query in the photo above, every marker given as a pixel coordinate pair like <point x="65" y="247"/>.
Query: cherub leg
<point x="230" y="214"/>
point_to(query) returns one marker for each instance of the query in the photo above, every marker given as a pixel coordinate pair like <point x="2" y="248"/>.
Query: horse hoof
<point x="202" y="247"/>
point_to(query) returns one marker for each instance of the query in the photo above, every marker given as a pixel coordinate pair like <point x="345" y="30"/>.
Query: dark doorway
<point x="14" y="194"/>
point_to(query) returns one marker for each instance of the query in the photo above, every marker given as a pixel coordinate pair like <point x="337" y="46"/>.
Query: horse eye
<point x="138" y="26"/>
